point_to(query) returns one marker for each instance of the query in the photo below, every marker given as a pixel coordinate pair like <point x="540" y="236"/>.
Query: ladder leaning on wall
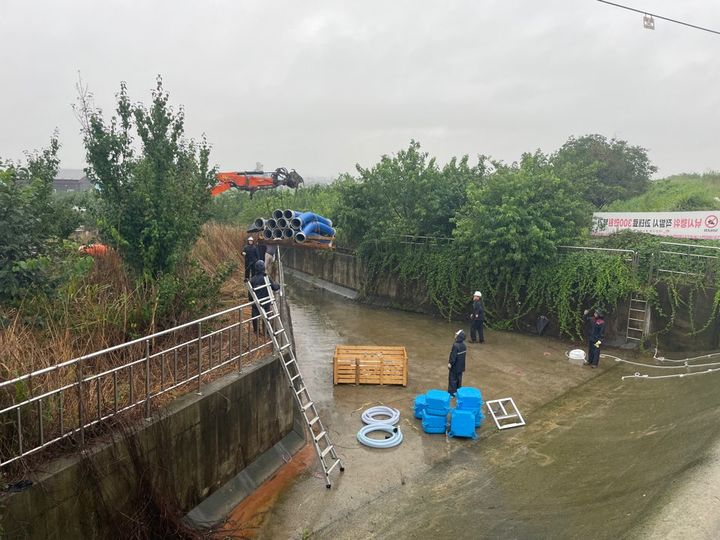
<point x="265" y="300"/>
<point x="637" y="317"/>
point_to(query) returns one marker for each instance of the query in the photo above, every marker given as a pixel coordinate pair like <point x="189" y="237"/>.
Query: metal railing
<point x="628" y="255"/>
<point x="66" y="400"/>
<point x="669" y="253"/>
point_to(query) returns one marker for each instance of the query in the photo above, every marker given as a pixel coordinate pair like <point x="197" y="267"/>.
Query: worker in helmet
<point x="257" y="282"/>
<point x="477" y="319"/>
<point x="251" y="254"/>
<point x="456" y="363"/>
<point x="596" y="332"/>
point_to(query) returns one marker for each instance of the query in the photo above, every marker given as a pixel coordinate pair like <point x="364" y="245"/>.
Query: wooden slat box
<point x="366" y="364"/>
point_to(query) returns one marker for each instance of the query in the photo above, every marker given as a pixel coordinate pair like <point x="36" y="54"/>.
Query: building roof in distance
<point x="70" y="174"/>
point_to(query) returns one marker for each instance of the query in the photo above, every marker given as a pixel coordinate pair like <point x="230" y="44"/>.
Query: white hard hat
<point x="477" y="293"/>
<point x="251" y="238"/>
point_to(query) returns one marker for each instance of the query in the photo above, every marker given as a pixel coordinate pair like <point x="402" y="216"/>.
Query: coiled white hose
<point x="395" y="438"/>
<point x="368" y="417"/>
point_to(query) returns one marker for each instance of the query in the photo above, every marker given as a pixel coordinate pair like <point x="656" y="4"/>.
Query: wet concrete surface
<point x="599" y="458"/>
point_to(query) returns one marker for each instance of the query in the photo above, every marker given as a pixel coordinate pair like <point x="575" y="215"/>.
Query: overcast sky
<point x="321" y="85"/>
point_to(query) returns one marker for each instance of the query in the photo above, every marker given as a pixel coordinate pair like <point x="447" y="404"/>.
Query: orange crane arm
<point x="255" y="180"/>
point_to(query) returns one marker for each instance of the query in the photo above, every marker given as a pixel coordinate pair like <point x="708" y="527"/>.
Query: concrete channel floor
<point x="597" y="459"/>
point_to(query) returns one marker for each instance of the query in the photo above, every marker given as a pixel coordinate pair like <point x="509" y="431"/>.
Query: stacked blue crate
<point x="462" y="424"/>
<point x="470" y="399"/>
<point x="437" y="407"/>
<point x="420" y="406"/>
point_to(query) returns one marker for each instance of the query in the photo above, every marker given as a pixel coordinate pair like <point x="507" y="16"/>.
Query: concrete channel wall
<point x="674" y="334"/>
<point x="349" y="271"/>
<point x="188" y="451"/>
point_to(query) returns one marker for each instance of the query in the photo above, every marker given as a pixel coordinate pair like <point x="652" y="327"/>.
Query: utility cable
<point x="696" y="27"/>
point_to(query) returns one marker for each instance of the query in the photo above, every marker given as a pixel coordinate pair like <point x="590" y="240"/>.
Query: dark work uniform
<point x="477" y="318"/>
<point x="456" y="363"/>
<point x="251" y="257"/>
<point x="261" y="249"/>
<point x="258" y="280"/>
<point x="596" y="331"/>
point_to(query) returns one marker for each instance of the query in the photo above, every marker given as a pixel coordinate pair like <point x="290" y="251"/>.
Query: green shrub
<point x="27" y="228"/>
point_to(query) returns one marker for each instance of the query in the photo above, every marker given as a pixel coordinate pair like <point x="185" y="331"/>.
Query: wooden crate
<point x="362" y="364"/>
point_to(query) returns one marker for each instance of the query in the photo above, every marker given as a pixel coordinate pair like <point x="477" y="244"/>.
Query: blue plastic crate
<point x="436" y="412"/>
<point x="438" y="400"/>
<point x="479" y="417"/>
<point x="431" y="420"/>
<point x="420" y="406"/>
<point x="462" y="424"/>
<point x="469" y="398"/>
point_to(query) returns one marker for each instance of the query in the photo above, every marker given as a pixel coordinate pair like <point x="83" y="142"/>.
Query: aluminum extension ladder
<point x="637" y="317"/>
<point x="270" y="314"/>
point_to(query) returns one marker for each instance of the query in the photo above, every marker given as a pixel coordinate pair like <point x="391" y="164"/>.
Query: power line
<point x="661" y="17"/>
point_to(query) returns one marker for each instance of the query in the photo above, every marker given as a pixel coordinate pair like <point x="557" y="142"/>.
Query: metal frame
<point x="168" y="360"/>
<point x="672" y="251"/>
<point x="505" y="414"/>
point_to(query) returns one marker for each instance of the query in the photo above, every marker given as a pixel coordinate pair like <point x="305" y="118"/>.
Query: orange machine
<point x="253" y="181"/>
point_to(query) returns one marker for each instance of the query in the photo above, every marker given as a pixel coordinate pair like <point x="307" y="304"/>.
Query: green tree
<point x="407" y="193"/>
<point x="70" y="210"/>
<point x="27" y="226"/>
<point x="153" y="198"/>
<point x="604" y="170"/>
<point x="514" y="221"/>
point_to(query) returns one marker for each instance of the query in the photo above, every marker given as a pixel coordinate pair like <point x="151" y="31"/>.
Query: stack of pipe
<point x="299" y="226"/>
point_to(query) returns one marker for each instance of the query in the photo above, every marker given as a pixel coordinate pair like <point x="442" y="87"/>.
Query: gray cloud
<point x="321" y="85"/>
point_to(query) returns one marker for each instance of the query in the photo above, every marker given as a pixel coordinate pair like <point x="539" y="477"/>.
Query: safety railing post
<point x="81" y="415"/>
<point x="19" y="431"/>
<point x="147" y="378"/>
<point x="199" y="357"/>
<point x="240" y="340"/>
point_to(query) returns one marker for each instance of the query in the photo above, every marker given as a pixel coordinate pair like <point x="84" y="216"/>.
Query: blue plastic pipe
<point x="311" y="217"/>
<point x="318" y="227"/>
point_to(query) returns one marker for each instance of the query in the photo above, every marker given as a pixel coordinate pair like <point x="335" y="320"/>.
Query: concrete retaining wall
<point x="196" y="445"/>
<point x="677" y="332"/>
<point x="348" y="271"/>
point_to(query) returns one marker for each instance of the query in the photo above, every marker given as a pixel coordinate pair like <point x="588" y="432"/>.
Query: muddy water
<point x="599" y="458"/>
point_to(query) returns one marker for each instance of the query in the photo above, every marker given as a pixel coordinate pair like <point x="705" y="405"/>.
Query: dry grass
<point x="222" y="244"/>
<point x="94" y="314"/>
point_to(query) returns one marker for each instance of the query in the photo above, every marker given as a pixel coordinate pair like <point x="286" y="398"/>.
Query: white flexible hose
<point x="673" y="376"/>
<point x="395" y="438"/>
<point x="368" y="417"/>
<point x="642" y="364"/>
<point x="683" y="360"/>
<point x="711" y="369"/>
